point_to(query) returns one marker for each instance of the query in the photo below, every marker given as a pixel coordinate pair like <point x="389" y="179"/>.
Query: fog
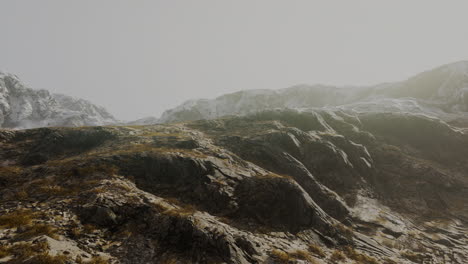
<point x="138" y="58"/>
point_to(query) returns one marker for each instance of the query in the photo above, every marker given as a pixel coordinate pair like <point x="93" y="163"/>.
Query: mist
<point x="139" y="58"/>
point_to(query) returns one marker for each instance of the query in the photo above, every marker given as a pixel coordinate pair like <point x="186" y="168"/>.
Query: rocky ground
<point x="274" y="187"/>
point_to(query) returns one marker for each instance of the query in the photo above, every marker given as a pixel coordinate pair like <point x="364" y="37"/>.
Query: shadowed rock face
<point x="262" y="188"/>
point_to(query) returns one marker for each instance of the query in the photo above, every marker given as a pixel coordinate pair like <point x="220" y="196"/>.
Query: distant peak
<point x="460" y="67"/>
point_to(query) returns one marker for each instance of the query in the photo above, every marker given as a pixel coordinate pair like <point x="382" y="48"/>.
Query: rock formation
<point x="280" y="186"/>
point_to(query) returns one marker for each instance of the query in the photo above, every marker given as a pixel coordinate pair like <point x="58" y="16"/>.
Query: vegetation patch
<point x="337" y="256"/>
<point x="316" y="250"/>
<point x="280" y="256"/>
<point x="275" y="175"/>
<point x="182" y="209"/>
<point x="38" y="230"/>
<point x="45" y="258"/>
<point x="302" y="255"/>
<point x="358" y="257"/>
<point x="93" y="260"/>
<point x="4" y="251"/>
<point x="92" y="170"/>
<point x="415" y="257"/>
<point x="17" y="218"/>
<point x="25" y="251"/>
<point x="344" y="230"/>
<point x="10" y="171"/>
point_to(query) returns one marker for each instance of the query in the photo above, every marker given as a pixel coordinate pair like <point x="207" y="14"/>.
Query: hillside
<point x="273" y="187"/>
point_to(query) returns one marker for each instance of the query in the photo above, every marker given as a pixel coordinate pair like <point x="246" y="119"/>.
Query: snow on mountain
<point x="251" y="101"/>
<point x="441" y="92"/>
<point x="22" y="107"/>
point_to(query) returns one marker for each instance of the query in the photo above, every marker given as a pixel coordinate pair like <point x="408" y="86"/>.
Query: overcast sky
<point x="138" y="58"/>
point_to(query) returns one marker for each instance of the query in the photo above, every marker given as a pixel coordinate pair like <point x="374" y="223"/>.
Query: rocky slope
<point x="288" y="186"/>
<point x="22" y="107"/>
<point x="441" y="92"/>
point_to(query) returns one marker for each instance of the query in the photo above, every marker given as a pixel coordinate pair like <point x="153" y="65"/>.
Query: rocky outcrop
<point x="273" y="187"/>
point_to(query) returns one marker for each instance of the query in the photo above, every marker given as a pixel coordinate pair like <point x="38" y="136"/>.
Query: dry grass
<point x="98" y="190"/>
<point x="136" y="148"/>
<point x="344" y="230"/>
<point x="4" y="251"/>
<point x="181" y="211"/>
<point x="10" y="171"/>
<point x="54" y="190"/>
<point x="75" y="232"/>
<point x="96" y="260"/>
<point x="302" y="255"/>
<point x="389" y="243"/>
<point x="415" y="257"/>
<point x="38" y="230"/>
<point x="163" y="134"/>
<point x="21" y="195"/>
<point x="316" y="250"/>
<point x="381" y="220"/>
<point x="275" y="175"/>
<point x="358" y="257"/>
<point x="25" y="251"/>
<point x="280" y="256"/>
<point x="337" y="256"/>
<point x="50" y="188"/>
<point x="92" y="170"/>
<point x="388" y="261"/>
<point x="170" y="259"/>
<point x="124" y="234"/>
<point x="17" y="218"/>
<point x="123" y="187"/>
<point x="88" y="228"/>
<point x="45" y="258"/>
<point x="284" y="257"/>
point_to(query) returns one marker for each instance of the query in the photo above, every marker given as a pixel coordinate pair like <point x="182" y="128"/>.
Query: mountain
<point x="280" y="186"/>
<point x="22" y="107"/>
<point x="308" y="174"/>
<point x="441" y="92"/>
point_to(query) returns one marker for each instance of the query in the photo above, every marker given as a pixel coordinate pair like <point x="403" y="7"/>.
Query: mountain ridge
<point x="23" y="107"/>
<point x="442" y="91"/>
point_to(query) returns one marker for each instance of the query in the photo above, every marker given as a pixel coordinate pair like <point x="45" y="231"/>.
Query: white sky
<point x="138" y="58"/>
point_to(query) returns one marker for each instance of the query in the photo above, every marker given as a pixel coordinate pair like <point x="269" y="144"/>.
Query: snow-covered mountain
<point x="22" y="107"/>
<point x="441" y="92"/>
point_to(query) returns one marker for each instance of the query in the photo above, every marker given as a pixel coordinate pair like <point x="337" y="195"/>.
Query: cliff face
<point x="272" y="187"/>
<point x="22" y="107"/>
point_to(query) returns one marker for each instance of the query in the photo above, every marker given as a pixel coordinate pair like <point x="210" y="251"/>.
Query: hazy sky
<point x="138" y="58"/>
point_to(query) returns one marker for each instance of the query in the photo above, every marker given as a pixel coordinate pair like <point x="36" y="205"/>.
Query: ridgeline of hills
<point x="308" y="174"/>
<point x="441" y="93"/>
